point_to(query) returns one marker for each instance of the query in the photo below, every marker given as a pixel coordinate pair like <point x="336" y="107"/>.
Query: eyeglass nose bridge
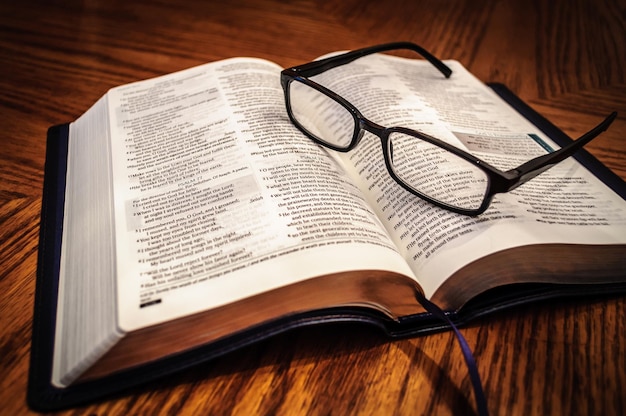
<point x="371" y="127"/>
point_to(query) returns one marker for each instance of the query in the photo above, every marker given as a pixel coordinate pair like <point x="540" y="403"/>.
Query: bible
<point x="185" y="216"/>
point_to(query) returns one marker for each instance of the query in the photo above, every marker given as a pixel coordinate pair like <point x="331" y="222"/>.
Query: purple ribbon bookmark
<point x="479" y="394"/>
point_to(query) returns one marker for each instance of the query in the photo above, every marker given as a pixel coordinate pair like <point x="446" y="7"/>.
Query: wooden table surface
<point x="567" y="59"/>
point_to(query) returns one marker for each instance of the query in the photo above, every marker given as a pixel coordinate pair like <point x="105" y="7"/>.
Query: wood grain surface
<point x="565" y="58"/>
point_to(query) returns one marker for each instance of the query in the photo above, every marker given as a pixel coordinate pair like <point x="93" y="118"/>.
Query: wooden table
<point x="566" y="58"/>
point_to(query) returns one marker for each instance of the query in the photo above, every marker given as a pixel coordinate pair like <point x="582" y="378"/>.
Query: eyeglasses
<point x="427" y="167"/>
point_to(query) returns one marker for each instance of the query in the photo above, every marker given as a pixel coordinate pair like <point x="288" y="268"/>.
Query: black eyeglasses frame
<point x="498" y="181"/>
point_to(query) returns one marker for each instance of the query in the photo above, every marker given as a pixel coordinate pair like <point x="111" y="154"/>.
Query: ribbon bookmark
<point x="479" y="394"/>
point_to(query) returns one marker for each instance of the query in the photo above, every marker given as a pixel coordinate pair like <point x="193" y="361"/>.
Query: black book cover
<point x="43" y="396"/>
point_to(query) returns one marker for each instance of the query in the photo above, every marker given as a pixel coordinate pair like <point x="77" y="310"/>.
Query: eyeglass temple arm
<point x="538" y="165"/>
<point x="317" y="67"/>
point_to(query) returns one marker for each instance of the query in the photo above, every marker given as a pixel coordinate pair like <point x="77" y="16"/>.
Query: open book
<point x="185" y="215"/>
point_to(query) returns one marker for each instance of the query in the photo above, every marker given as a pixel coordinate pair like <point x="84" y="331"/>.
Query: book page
<point x="219" y="197"/>
<point x="566" y="204"/>
<point x="87" y="246"/>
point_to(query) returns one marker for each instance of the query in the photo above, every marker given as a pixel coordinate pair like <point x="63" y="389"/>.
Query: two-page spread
<point x="191" y="199"/>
